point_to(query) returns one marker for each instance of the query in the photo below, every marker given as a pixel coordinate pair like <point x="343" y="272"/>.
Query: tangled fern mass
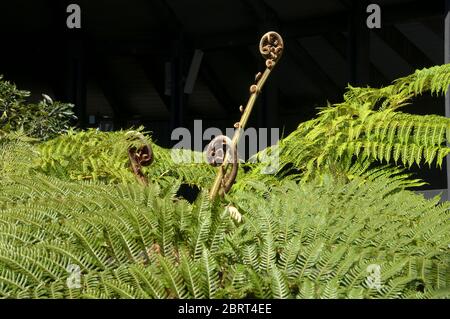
<point x="341" y="205"/>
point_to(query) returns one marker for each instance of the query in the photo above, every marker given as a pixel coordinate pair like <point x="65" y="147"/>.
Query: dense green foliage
<point x="100" y="156"/>
<point x="42" y="120"/>
<point x="368" y="125"/>
<point x="312" y="233"/>
<point x="308" y="240"/>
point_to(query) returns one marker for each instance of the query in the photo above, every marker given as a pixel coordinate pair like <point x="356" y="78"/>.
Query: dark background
<point x="128" y="63"/>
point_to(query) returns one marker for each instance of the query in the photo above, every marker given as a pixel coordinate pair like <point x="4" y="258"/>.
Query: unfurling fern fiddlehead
<point x="218" y="149"/>
<point x="271" y="47"/>
<point x="140" y="156"/>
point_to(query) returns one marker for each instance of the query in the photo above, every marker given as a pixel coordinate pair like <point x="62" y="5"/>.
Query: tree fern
<point x="367" y="125"/>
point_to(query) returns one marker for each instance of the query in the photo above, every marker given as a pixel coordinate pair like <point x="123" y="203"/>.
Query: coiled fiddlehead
<point x="220" y="149"/>
<point x="140" y="156"/>
<point x="271" y="48"/>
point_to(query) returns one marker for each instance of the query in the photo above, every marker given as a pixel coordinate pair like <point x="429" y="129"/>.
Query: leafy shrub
<point x="42" y="120"/>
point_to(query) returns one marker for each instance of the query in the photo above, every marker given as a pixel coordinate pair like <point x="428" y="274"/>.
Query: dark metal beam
<point x="72" y="70"/>
<point x="263" y="15"/>
<point x="411" y="11"/>
<point x="157" y="41"/>
<point x="391" y="14"/>
<point x="179" y="52"/>
<point x="77" y="78"/>
<point x="346" y="3"/>
<point x="358" y="44"/>
<point x="339" y="42"/>
<point x="110" y="89"/>
<point x="166" y="15"/>
<point x="156" y="75"/>
<point x="436" y="26"/>
<point x="313" y="70"/>
<point x="217" y="88"/>
<point x="395" y="39"/>
<point x="177" y="96"/>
